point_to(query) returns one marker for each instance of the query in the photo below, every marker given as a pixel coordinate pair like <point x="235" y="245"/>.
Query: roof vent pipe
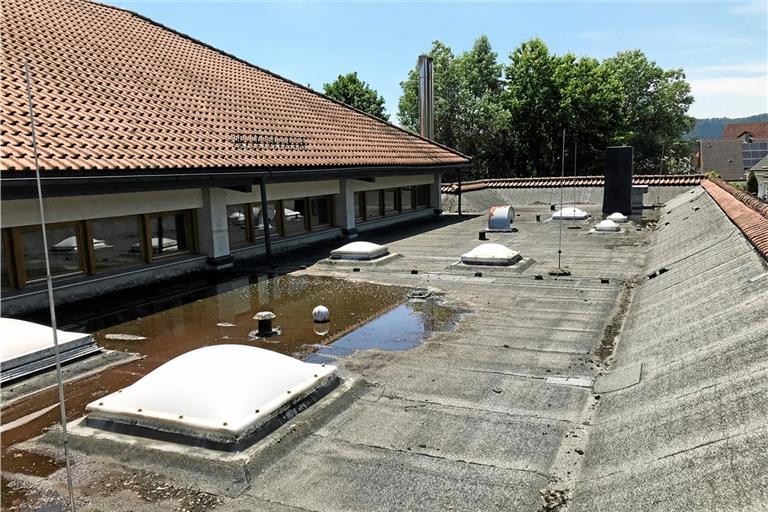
<point x="426" y="98"/>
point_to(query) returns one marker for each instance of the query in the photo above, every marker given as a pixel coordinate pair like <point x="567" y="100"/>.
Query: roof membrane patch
<point x="223" y="397"/>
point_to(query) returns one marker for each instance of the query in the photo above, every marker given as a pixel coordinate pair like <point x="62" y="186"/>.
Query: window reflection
<point x="258" y="221"/>
<point x="372" y="204"/>
<point x="237" y="225"/>
<point x="114" y="241"/>
<point x="294" y="216"/>
<point x="169" y="234"/>
<point x="63" y="251"/>
<point x="320" y="209"/>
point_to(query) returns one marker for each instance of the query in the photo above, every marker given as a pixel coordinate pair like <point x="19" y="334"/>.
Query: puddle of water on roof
<point x="228" y="318"/>
<point x="402" y="328"/>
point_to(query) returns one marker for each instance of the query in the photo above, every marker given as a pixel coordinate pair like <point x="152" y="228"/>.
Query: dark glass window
<point x="372" y="204"/>
<point x="5" y="276"/>
<point x="422" y="196"/>
<point x="237" y="224"/>
<point x="295" y="216"/>
<point x="63" y="250"/>
<point x="406" y="198"/>
<point x="359" y="206"/>
<point x="258" y="221"/>
<point x="390" y="201"/>
<point x="169" y="234"/>
<point x="320" y="211"/>
<point x="116" y="242"/>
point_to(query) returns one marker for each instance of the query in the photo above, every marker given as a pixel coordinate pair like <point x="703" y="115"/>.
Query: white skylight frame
<point x="219" y="393"/>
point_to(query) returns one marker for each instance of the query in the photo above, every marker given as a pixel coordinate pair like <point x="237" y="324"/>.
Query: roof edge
<point x="570" y="181"/>
<point x="750" y="217"/>
<point x="279" y="77"/>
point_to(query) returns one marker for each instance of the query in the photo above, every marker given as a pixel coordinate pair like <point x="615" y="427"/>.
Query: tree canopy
<point x="509" y="117"/>
<point x="349" y="89"/>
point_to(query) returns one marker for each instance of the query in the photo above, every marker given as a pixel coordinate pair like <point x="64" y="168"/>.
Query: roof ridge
<point x="743" y="197"/>
<point x="750" y="221"/>
<point x="272" y="73"/>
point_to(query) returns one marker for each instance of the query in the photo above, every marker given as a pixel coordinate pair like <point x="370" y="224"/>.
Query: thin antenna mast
<point x="575" y="148"/>
<point x="49" y="281"/>
<point x="560" y="220"/>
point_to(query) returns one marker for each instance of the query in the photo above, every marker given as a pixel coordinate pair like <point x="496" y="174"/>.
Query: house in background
<point x="743" y="145"/>
<point x="761" y="173"/>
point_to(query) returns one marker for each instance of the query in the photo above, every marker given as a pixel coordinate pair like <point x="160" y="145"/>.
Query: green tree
<point x="349" y="89"/>
<point x="532" y="99"/>
<point x="752" y="183"/>
<point x="656" y="102"/>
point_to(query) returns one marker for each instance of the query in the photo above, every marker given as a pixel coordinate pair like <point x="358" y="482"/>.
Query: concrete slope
<point x="693" y="433"/>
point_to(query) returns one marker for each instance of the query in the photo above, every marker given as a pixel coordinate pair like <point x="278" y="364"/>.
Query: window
<point x="320" y="211"/>
<point x="237" y="224"/>
<point x="170" y="233"/>
<point x="63" y="250"/>
<point x="390" y="201"/>
<point x="258" y="221"/>
<point x="406" y="198"/>
<point x="372" y="204"/>
<point x="359" y="205"/>
<point x="116" y="243"/>
<point x="294" y="216"/>
<point x="422" y="196"/>
<point x="5" y="275"/>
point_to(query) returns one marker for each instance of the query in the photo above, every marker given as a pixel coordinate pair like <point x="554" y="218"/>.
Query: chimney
<point x="426" y="99"/>
<point x="617" y="194"/>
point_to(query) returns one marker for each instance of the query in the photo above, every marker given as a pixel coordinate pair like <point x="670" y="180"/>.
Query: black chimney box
<point x="617" y="194"/>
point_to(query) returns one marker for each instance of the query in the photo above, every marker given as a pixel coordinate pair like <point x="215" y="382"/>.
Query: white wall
<point x="25" y="212"/>
<point x="277" y="191"/>
<point x="390" y="182"/>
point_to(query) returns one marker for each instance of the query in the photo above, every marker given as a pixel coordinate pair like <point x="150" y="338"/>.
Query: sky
<point x="721" y="46"/>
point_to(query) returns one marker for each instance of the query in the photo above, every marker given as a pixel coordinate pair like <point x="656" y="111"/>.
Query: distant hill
<point x="712" y="128"/>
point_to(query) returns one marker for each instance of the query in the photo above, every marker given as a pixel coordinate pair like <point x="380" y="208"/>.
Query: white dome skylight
<point x="223" y="394"/>
<point x="617" y="217"/>
<point x="359" y="251"/>
<point x="570" y="213"/>
<point x="607" y="226"/>
<point x="491" y="254"/>
<point x="28" y="347"/>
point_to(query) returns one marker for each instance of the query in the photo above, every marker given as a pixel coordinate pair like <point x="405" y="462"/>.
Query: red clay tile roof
<point x="572" y="181"/>
<point x="750" y="215"/>
<point x="113" y="90"/>
<point x="735" y="131"/>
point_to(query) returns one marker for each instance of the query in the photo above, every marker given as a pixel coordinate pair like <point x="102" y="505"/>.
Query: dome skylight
<point x="570" y="213"/>
<point x="607" y="226"/>
<point x="359" y="251"/>
<point x="28" y="347"/>
<point x="617" y="217"/>
<point x="491" y="254"/>
<point x="221" y="396"/>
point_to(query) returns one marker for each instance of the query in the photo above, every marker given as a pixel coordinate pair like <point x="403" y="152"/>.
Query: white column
<point x="435" y="195"/>
<point x="212" y="230"/>
<point x="345" y="209"/>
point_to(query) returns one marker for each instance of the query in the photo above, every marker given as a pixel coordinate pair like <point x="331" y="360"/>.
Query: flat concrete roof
<point x="501" y="413"/>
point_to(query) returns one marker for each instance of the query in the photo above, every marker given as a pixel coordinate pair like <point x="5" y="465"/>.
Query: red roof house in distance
<point x="757" y="130"/>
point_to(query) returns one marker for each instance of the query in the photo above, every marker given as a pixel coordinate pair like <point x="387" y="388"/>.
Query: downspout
<point x="265" y="220"/>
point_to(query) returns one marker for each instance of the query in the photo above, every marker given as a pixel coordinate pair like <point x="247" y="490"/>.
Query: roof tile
<point x="115" y="90"/>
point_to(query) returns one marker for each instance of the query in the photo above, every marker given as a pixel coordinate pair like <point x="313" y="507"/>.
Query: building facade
<point x="160" y="155"/>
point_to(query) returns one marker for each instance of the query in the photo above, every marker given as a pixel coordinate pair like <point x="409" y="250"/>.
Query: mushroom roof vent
<point x="618" y="217"/>
<point x="570" y="213"/>
<point x="28" y="347"/>
<point x="607" y="226"/>
<point x="359" y="251"/>
<point x="491" y="254"/>
<point x="223" y="397"/>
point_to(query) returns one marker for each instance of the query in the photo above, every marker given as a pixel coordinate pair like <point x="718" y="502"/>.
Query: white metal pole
<point x="562" y="178"/>
<point x="49" y="281"/>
